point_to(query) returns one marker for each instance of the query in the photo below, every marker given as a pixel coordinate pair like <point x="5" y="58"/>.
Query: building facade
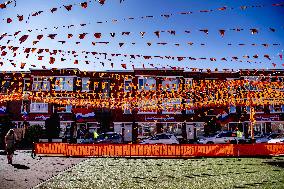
<point x="158" y="100"/>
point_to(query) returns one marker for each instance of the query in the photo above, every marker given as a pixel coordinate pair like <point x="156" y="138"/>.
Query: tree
<point x="33" y="133"/>
<point x="52" y="126"/>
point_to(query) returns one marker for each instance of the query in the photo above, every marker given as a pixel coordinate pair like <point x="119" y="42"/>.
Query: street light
<point x="252" y="122"/>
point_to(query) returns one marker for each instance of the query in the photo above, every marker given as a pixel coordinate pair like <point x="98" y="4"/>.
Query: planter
<point x="43" y="140"/>
<point x="57" y="140"/>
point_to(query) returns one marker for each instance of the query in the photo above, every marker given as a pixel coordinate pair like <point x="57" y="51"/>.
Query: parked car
<point x="220" y="138"/>
<point x="266" y="138"/>
<point x="161" y="138"/>
<point x="109" y="138"/>
<point x="278" y="139"/>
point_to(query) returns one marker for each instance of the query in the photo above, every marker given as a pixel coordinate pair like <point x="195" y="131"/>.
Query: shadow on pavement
<point x="276" y="163"/>
<point x="19" y="166"/>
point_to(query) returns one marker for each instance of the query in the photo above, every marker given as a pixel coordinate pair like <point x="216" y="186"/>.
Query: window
<point x="5" y="86"/>
<point x="147" y="83"/>
<point x="276" y="108"/>
<point x="259" y="109"/>
<point x="232" y="109"/>
<point x="41" y="83"/>
<point x="146" y="129"/>
<point x="64" y="109"/>
<point x="26" y="86"/>
<point x="38" y="107"/>
<point x="85" y="84"/>
<point x="127" y="85"/>
<point x="169" y="84"/>
<point x="65" y="129"/>
<point x="105" y="88"/>
<point x="174" y="128"/>
<point x="171" y="105"/>
<point x="187" y="83"/>
<point x="127" y="108"/>
<point x="64" y="83"/>
<point x="25" y="108"/>
<point x="189" y="107"/>
<point x="251" y="82"/>
<point x="248" y="109"/>
<point x="96" y="85"/>
<point x="148" y="106"/>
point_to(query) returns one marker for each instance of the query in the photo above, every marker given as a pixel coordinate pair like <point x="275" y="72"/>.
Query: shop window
<point x="199" y="129"/>
<point x="147" y="83"/>
<point x="146" y="129"/>
<point x="93" y="127"/>
<point x="38" y="107"/>
<point x="85" y="84"/>
<point x="174" y="128"/>
<point x="65" y="129"/>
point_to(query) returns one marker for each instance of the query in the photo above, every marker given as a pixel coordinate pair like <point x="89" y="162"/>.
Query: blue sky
<point x="215" y="45"/>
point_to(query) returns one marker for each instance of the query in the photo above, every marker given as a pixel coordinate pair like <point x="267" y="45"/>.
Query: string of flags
<point x="84" y="5"/>
<point x="69" y="7"/>
<point x="51" y="52"/>
<point x="222" y="31"/>
<point x="114" y="34"/>
<point x="40" y="54"/>
<point x="4" y="5"/>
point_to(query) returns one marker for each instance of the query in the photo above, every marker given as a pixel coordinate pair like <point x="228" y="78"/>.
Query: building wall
<point x="23" y="82"/>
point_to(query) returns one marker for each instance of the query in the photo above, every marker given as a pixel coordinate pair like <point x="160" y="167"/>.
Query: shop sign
<point x="159" y="118"/>
<point x="267" y="118"/>
<point x="42" y="117"/>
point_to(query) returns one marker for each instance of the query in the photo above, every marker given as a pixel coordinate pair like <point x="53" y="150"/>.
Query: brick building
<point x="175" y="86"/>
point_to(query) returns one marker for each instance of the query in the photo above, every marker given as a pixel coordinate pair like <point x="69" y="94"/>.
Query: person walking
<point x="10" y="140"/>
<point x="95" y="135"/>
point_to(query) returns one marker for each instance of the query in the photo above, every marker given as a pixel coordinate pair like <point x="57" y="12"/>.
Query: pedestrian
<point x="239" y="135"/>
<point x="10" y="140"/>
<point x="95" y="134"/>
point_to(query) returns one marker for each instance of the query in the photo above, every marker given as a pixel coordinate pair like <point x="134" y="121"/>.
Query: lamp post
<point x="252" y="122"/>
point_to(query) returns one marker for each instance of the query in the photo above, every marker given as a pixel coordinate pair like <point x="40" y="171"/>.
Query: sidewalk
<point x="27" y="172"/>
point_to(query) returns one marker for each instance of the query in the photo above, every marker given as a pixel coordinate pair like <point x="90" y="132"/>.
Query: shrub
<point x="33" y="133"/>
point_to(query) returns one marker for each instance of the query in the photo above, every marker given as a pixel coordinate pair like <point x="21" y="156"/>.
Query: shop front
<point x="192" y="130"/>
<point x="86" y="123"/>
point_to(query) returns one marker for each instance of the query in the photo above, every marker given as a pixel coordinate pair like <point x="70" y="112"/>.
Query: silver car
<point x="267" y="138"/>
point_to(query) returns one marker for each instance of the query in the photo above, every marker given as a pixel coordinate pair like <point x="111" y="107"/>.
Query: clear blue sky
<point x="215" y="45"/>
